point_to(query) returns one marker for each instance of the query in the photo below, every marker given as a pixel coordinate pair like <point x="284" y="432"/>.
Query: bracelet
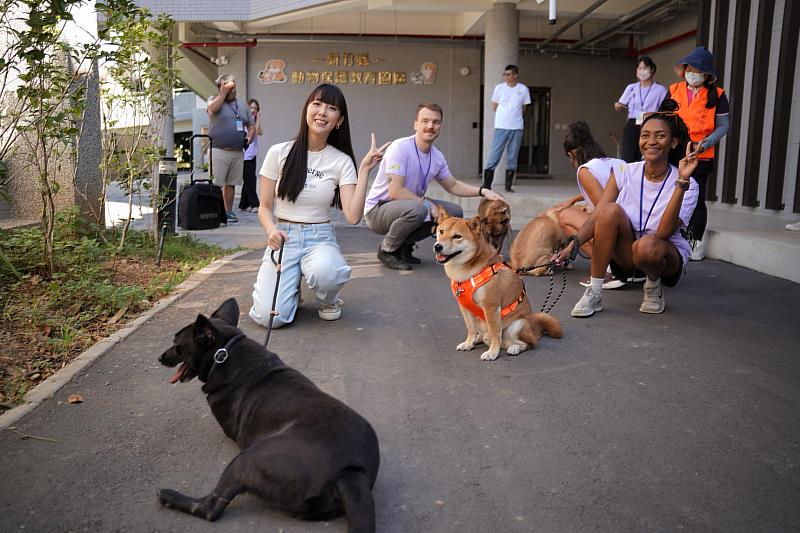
<point x="480" y="191"/>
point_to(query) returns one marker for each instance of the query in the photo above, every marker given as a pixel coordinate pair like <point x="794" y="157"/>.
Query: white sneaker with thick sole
<point x="331" y="312"/>
<point x="793" y="227"/>
<point x="698" y="252"/>
<point x="589" y="304"/>
<point x="653" y="301"/>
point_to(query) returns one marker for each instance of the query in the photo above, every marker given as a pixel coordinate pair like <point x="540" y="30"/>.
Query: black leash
<point x="551" y="266"/>
<point x="273" y="312"/>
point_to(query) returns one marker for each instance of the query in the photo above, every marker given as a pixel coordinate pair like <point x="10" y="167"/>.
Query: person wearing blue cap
<point x="705" y="110"/>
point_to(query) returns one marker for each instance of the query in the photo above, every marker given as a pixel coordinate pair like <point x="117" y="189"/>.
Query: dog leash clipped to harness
<point x="463" y="291"/>
<point x="221" y="355"/>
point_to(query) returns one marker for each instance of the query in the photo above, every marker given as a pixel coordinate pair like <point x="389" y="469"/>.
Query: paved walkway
<point x="686" y="420"/>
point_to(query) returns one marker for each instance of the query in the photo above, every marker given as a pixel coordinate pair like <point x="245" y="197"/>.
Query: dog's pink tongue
<point x="181" y="369"/>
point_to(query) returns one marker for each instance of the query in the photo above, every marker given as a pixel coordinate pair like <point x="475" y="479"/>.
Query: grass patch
<point x="46" y="321"/>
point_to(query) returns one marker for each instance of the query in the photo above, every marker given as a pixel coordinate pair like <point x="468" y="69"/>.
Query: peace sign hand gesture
<point x="374" y="156"/>
<point x="688" y="164"/>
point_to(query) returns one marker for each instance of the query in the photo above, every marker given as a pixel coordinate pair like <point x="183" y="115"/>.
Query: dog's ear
<point x="474" y="224"/>
<point x="205" y="334"/>
<point x="443" y="215"/>
<point x="228" y="311"/>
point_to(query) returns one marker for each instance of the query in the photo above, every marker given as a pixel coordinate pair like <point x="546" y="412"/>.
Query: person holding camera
<point x="231" y="129"/>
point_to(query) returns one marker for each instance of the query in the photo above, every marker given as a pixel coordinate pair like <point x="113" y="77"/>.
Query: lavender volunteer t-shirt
<point x="642" y="100"/>
<point x="645" y="207"/>
<point x="403" y="158"/>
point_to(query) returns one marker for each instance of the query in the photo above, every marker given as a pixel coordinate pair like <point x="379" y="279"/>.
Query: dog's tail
<point x="353" y="488"/>
<point x="549" y="324"/>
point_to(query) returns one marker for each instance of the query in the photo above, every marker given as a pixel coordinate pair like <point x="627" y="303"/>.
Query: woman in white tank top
<point x="594" y="168"/>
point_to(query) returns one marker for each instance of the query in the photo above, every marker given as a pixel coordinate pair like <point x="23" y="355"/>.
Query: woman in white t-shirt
<point x="300" y="181"/>
<point x="637" y="223"/>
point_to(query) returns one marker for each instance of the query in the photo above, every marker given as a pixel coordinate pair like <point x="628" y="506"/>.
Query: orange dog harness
<point x="463" y="291"/>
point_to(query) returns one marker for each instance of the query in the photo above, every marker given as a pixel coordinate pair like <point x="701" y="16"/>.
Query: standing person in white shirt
<point x="509" y="101"/>
<point x="639" y="98"/>
<point x="300" y="181"/>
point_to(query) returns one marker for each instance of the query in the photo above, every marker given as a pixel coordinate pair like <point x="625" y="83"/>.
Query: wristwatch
<point x="684" y="184"/>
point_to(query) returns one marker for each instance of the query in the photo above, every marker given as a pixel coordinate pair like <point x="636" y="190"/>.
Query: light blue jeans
<point x="511" y="140"/>
<point x="311" y="250"/>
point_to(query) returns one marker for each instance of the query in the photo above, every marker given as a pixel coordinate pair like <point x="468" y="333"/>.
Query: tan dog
<point x="504" y="313"/>
<point x="495" y="221"/>
<point x="536" y="242"/>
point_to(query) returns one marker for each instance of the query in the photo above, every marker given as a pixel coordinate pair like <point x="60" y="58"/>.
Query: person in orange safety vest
<point x="705" y="110"/>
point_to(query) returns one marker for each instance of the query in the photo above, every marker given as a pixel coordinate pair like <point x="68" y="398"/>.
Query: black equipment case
<point x="200" y="205"/>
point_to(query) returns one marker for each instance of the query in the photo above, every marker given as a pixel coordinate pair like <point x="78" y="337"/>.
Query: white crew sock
<point x="596" y="284"/>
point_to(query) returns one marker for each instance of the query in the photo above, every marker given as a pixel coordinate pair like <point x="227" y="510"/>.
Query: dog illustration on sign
<point x="426" y="74"/>
<point x="274" y="72"/>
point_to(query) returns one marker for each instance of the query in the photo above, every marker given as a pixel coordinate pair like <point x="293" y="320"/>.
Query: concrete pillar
<point x="501" y="49"/>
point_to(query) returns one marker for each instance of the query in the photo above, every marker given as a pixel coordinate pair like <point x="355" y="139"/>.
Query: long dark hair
<point x="293" y="175"/>
<point x="710" y="84"/>
<point x="668" y="113"/>
<point x="580" y="139"/>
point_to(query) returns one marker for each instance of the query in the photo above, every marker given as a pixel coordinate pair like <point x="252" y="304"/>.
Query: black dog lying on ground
<point x="303" y="451"/>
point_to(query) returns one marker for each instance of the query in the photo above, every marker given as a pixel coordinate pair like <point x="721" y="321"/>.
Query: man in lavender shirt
<point x="396" y="205"/>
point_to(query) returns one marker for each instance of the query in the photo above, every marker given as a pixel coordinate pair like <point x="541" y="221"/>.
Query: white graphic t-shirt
<point x="326" y="169"/>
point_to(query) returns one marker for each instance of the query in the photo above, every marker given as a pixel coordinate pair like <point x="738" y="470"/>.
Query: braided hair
<point x="668" y="113"/>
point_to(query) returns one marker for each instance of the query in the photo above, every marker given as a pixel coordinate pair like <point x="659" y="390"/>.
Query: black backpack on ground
<point x="200" y="205"/>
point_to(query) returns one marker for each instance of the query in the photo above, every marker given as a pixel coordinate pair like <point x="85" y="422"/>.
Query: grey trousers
<point x="404" y="220"/>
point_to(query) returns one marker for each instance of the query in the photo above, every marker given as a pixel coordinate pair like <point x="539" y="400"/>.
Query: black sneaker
<point x="405" y="254"/>
<point x="392" y="260"/>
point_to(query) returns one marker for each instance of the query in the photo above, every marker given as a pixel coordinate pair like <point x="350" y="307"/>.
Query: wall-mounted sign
<point x="275" y="72"/>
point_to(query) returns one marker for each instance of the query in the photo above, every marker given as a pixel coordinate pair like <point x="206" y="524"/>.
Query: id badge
<point x="239" y="125"/>
<point x="639" y="119"/>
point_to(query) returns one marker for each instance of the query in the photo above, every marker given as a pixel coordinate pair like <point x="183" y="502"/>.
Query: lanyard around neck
<point x="641" y="201"/>
<point x="235" y="107"/>
<point x="645" y="94"/>
<point x="419" y="160"/>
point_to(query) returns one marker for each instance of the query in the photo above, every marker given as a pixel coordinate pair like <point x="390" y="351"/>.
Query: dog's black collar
<point x="221" y="355"/>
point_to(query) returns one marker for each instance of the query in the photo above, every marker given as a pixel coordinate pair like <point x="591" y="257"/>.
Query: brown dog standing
<point x="536" y="242"/>
<point x="495" y="218"/>
<point x="498" y="311"/>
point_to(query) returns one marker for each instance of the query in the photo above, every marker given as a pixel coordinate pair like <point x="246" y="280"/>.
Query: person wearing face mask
<point x="705" y="110"/>
<point x="643" y="96"/>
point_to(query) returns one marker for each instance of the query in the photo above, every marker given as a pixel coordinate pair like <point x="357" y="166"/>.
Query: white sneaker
<point x="331" y="312"/>
<point x="589" y="304"/>
<point x="698" y="252"/>
<point x="653" y="301"/>
<point x="793" y="227"/>
<point x="610" y="282"/>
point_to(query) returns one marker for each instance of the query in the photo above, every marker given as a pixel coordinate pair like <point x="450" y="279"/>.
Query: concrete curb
<point x="51" y="385"/>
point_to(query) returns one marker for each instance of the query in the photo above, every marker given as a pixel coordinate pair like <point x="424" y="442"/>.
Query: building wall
<point x="737" y="150"/>
<point x="581" y="88"/>
<point x="387" y="110"/>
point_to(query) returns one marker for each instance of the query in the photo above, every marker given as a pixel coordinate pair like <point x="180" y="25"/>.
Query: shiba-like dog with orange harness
<point x="490" y="295"/>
